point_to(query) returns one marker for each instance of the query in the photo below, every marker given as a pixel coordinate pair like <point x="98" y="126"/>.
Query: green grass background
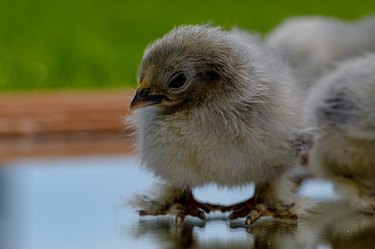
<point x="85" y="44"/>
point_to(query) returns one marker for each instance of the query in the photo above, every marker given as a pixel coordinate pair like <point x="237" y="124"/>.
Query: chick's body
<point x="342" y="107"/>
<point x="223" y="145"/>
<point x="231" y="122"/>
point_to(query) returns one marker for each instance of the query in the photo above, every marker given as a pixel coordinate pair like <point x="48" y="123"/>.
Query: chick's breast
<point x="205" y="146"/>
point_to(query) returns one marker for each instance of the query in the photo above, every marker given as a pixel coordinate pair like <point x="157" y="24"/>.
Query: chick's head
<point x="188" y="66"/>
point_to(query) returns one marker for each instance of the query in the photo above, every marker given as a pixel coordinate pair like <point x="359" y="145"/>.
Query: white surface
<point x="79" y="203"/>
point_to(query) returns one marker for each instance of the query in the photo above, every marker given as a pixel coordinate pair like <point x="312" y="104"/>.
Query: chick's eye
<point x="178" y="81"/>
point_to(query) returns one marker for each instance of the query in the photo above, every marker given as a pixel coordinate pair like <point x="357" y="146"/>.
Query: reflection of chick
<point x="220" y="110"/>
<point x="334" y="225"/>
<point x="342" y="106"/>
<point x="313" y="45"/>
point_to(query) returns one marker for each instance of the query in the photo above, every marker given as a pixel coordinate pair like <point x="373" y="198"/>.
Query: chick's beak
<point x="143" y="97"/>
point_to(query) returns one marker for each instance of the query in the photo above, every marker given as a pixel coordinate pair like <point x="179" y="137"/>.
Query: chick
<point x="313" y="45"/>
<point x="213" y="107"/>
<point x="342" y="107"/>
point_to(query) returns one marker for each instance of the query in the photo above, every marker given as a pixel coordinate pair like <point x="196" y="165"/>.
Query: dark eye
<point x="178" y="81"/>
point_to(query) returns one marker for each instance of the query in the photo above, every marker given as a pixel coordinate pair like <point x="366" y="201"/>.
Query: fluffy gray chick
<point x="313" y="45"/>
<point x="212" y="107"/>
<point x="342" y="107"/>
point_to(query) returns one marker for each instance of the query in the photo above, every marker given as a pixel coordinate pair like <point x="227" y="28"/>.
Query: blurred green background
<point x="86" y="44"/>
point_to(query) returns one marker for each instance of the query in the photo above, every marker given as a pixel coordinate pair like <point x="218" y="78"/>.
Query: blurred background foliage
<point x="86" y="44"/>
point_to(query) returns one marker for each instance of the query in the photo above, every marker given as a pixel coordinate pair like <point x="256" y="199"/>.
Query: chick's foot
<point x="181" y="206"/>
<point x="188" y="205"/>
<point x="254" y="209"/>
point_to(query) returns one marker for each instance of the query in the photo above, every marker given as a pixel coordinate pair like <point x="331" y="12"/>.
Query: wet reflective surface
<point x="81" y="203"/>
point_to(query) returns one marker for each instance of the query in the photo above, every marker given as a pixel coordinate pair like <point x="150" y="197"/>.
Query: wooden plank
<point x="63" y="123"/>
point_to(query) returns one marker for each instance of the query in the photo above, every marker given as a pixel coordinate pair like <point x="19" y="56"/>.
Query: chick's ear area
<point x="209" y="76"/>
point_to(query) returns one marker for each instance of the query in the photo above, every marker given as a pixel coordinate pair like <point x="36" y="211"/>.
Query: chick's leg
<point x="170" y="200"/>
<point x="265" y="202"/>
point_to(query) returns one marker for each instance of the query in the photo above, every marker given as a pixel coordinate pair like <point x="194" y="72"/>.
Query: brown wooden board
<point x="64" y="123"/>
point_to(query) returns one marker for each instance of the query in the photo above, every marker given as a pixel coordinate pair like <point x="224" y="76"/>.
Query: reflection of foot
<point x="166" y="233"/>
<point x="253" y="209"/>
<point x="181" y="205"/>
